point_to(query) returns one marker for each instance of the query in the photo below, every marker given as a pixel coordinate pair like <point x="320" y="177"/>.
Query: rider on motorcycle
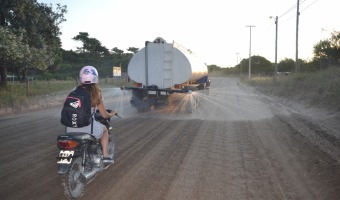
<point x="89" y="81"/>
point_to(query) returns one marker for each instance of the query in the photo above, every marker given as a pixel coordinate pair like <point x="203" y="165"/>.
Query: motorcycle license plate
<point x="65" y="157"/>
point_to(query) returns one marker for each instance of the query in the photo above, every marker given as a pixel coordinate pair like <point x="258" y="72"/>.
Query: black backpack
<point x="76" y="111"/>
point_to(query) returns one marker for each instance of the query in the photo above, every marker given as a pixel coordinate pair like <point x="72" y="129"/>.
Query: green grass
<point x="315" y="89"/>
<point x="15" y="95"/>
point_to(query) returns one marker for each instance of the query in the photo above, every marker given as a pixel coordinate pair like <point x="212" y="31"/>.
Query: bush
<point x="321" y="88"/>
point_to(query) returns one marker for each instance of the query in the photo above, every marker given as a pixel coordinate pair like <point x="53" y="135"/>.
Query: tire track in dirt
<point x="146" y="170"/>
<point x="216" y="153"/>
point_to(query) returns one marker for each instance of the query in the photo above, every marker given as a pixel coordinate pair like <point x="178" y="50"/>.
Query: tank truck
<point x="161" y="69"/>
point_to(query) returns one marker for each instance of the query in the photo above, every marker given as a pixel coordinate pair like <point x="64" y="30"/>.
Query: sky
<point x="217" y="31"/>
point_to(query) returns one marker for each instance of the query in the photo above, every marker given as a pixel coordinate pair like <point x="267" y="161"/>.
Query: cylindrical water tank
<point x="164" y="65"/>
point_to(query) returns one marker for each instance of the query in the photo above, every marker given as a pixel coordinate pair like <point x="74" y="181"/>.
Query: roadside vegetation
<point x="317" y="89"/>
<point x="16" y="97"/>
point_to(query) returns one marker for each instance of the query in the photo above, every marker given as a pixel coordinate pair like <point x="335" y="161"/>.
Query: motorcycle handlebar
<point x="99" y="116"/>
<point x="105" y="121"/>
<point x="116" y="114"/>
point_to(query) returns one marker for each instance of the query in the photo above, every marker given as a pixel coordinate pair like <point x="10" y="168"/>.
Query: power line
<point x="290" y="9"/>
<point x="302" y="2"/>
<point x="294" y="6"/>
<point x="309" y="5"/>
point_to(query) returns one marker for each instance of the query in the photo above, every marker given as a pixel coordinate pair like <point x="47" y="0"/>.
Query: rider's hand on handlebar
<point x="112" y="113"/>
<point x="117" y="115"/>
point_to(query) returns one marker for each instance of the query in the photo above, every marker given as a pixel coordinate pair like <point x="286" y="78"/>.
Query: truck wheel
<point x="142" y="109"/>
<point x="201" y="86"/>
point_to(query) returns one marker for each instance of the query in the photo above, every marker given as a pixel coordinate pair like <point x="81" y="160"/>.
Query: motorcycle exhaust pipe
<point x="84" y="177"/>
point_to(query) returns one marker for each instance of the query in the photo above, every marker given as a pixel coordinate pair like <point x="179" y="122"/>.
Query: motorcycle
<point x="80" y="158"/>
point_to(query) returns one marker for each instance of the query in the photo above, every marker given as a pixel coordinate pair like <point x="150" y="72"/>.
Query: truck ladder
<point x="167" y="67"/>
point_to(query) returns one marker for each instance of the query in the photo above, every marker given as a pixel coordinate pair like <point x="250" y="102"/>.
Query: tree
<point x="212" y="68"/>
<point x="286" y="65"/>
<point x="11" y="50"/>
<point x="117" y="51"/>
<point x="36" y="29"/>
<point x="91" y="46"/>
<point x="328" y="51"/>
<point x="133" y="49"/>
<point x="259" y="64"/>
<point x="122" y="59"/>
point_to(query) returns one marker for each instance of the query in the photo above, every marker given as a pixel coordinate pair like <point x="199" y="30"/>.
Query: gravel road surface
<point x="234" y="143"/>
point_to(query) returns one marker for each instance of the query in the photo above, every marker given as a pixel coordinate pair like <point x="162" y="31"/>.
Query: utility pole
<point x="277" y="24"/>
<point x="237" y="62"/>
<point x="237" y="58"/>
<point x="297" y="66"/>
<point x="250" y="26"/>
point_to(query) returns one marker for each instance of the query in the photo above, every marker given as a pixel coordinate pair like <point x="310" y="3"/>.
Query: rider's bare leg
<point x="104" y="140"/>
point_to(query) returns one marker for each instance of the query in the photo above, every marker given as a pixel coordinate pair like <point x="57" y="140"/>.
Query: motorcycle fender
<point x="63" y="168"/>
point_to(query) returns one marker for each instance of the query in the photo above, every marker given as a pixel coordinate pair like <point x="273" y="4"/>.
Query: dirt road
<point x="237" y="144"/>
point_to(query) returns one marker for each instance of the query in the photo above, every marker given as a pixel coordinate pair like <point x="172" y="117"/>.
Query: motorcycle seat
<point x="77" y="136"/>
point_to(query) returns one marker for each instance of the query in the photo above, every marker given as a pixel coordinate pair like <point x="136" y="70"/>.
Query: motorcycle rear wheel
<point x="73" y="187"/>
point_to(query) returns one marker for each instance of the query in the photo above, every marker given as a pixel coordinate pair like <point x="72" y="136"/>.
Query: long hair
<point x="95" y="92"/>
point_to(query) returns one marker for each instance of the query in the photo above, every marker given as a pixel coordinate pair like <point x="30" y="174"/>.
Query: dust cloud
<point x="225" y="100"/>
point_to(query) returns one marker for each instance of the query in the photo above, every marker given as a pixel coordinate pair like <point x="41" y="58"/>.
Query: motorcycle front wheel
<point x="73" y="187"/>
